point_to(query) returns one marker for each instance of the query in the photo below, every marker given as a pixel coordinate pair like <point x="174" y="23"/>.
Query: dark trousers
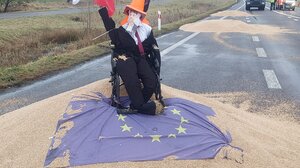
<point x="272" y="6"/>
<point x="133" y="73"/>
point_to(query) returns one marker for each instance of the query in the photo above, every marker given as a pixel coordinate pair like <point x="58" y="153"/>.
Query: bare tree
<point x="4" y="4"/>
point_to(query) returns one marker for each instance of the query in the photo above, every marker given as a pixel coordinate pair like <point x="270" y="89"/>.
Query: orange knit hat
<point x="137" y="6"/>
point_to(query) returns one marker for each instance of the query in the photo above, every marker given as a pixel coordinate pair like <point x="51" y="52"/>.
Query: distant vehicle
<point x="260" y="4"/>
<point x="286" y="4"/>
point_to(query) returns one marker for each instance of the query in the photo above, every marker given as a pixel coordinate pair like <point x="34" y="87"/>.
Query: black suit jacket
<point x="124" y="43"/>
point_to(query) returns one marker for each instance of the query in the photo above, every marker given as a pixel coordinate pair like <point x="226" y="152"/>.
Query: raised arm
<point x="109" y="25"/>
<point x="108" y="22"/>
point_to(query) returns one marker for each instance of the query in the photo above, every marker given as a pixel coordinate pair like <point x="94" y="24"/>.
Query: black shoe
<point x="126" y="111"/>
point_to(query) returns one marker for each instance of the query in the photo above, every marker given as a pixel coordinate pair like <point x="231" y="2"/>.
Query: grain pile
<point x="267" y="142"/>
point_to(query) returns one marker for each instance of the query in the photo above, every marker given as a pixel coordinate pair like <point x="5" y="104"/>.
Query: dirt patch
<point x="230" y="26"/>
<point x="267" y="142"/>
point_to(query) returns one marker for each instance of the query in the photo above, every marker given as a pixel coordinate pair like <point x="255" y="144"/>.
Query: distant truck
<point x="260" y="4"/>
<point x="286" y="4"/>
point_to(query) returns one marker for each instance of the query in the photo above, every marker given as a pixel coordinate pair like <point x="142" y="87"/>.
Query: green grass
<point x="18" y="74"/>
<point x="175" y="16"/>
<point x="15" y="28"/>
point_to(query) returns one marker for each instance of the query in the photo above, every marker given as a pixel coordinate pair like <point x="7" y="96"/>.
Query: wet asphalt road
<point x="14" y="15"/>
<point x="206" y="63"/>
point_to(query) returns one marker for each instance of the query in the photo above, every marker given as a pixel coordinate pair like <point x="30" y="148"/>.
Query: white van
<point x="289" y="4"/>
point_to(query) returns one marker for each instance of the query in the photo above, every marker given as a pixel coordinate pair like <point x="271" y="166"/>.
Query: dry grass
<point x="24" y="40"/>
<point x="32" y="70"/>
<point x="45" y="43"/>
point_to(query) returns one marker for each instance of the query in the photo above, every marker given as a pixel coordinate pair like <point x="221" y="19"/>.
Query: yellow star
<point x="184" y="120"/>
<point x="138" y="135"/>
<point x="121" y="117"/>
<point x="171" y="136"/>
<point x="125" y="128"/>
<point x="155" y="138"/>
<point x="181" y="129"/>
<point x="177" y="112"/>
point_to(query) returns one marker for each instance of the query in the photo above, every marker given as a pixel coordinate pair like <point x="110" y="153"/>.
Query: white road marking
<point x="255" y="38"/>
<point x="241" y="6"/>
<point x="224" y="17"/>
<point x="296" y="20"/>
<point x="164" y="35"/>
<point x="287" y="15"/>
<point x="172" y="47"/>
<point x="169" y="49"/>
<point x="271" y="79"/>
<point x="261" y="52"/>
<point x="248" y="21"/>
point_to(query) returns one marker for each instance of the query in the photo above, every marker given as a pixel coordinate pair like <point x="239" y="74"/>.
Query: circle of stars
<point x="156" y="138"/>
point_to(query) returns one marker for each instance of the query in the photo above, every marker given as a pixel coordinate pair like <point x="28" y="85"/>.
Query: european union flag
<point x="99" y="134"/>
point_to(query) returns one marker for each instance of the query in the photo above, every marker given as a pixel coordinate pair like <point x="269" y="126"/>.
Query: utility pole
<point x="89" y="17"/>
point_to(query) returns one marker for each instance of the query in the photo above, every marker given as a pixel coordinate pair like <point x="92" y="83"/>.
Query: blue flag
<point x="100" y="135"/>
